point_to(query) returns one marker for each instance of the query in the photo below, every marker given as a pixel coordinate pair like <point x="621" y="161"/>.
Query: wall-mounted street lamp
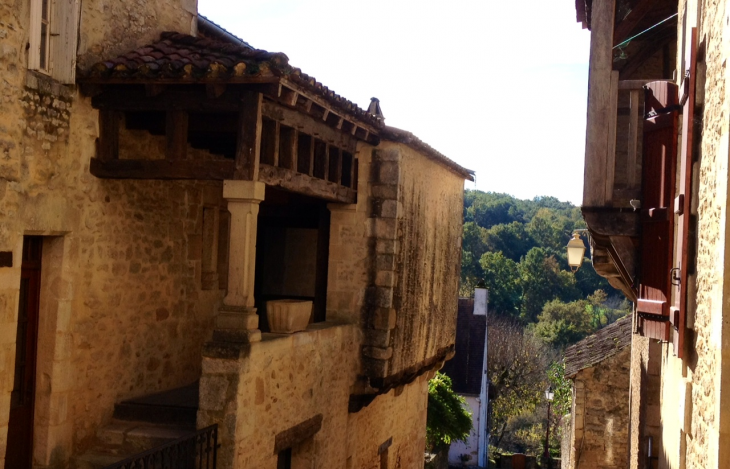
<point x="576" y="251"/>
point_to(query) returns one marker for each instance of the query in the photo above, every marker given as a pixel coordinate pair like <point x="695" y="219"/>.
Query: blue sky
<point x="498" y="87"/>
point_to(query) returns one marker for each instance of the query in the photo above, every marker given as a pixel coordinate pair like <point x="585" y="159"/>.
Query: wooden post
<point x="633" y="138"/>
<point x="176" y="132"/>
<point x="248" y="147"/>
<point x="108" y="148"/>
<point x="599" y="97"/>
<point x="610" y="170"/>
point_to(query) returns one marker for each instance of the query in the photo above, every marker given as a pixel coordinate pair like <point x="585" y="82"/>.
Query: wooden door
<point x="657" y="220"/>
<point x="20" y="427"/>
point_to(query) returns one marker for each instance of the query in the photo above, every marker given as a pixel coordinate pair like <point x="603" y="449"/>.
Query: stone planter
<point x="288" y="316"/>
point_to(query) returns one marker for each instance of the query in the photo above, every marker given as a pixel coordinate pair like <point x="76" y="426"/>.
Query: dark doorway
<point x="22" y="399"/>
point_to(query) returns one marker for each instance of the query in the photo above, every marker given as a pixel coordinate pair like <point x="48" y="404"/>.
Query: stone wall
<point x="121" y="275"/>
<point x="410" y="304"/>
<point x="695" y="397"/>
<point x="600" y="412"/>
<point x="645" y="399"/>
<point x="262" y="390"/>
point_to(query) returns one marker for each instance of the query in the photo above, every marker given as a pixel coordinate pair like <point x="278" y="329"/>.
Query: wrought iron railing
<point x="195" y="451"/>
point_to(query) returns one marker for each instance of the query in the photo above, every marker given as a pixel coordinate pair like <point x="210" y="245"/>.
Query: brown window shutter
<point x="682" y="204"/>
<point x="657" y="223"/>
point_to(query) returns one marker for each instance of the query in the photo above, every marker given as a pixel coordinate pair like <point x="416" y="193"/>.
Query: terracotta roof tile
<point x="597" y="347"/>
<point x="188" y="58"/>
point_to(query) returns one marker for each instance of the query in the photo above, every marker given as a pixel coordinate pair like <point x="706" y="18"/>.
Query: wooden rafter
<point x="627" y="25"/>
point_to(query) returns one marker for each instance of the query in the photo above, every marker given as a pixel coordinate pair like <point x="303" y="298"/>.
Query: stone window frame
<point x="52" y="51"/>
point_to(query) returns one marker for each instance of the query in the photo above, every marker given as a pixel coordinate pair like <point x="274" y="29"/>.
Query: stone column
<point x="237" y="320"/>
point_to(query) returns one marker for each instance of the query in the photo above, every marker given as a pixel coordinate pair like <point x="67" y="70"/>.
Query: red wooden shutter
<point x="657" y="222"/>
<point x="682" y="204"/>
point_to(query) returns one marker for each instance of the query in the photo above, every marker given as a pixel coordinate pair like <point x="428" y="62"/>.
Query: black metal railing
<point x="195" y="451"/>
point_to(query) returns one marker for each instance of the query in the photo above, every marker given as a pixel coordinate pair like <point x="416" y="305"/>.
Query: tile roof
<point x="181" y="58"/>
<point x="225" y="58"/>
<point x="597" y="347"/>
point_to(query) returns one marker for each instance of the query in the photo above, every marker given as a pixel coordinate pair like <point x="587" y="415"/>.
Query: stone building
<point x="161" y="183"/>
<point x="655" y="202"/>
<point x="597" y="431"/>
<point x="468" y="373"/>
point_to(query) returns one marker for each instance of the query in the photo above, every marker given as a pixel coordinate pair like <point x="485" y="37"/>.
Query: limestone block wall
<point x="645" y="399"/>
<point x="122" y="312"/>
<point x="600" y="415"/>
<point x="410" y="303"/>
<point x="695" y="397"/>
<point x="428" y="261"/>
<point x="264" y="390"/>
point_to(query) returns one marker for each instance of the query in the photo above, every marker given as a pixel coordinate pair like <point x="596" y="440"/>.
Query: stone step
<point x="121" y="439"/>
<point x="176" y="407"/>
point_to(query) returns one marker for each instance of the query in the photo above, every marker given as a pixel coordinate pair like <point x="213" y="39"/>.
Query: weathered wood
<point x="612" y="223"/>
<point x="153" y="89"/>
<point x="308" y="125"/>
<point x="215" y="90"/>
<point x="289" y="97"/>
<point x="639" y="58"/>
<point x="624" y="28"/>
<point x="306" y="185"/>
<point x="162" y="169"/>
<point x="176" y="135"/>
<point x="287" y="147"/>
<point x="335" y="165"/>
<point x="627" y="85"/>
<point x="610" y="169"/>
<point x="269" y="141"/>
<point x="248" y="146"/>
<point x="633" y="144"/>
<point x="683" y="254"/>
<point x="297" y="434"/>
<point x="599" y="101"/>
<point x="108" y="144"/>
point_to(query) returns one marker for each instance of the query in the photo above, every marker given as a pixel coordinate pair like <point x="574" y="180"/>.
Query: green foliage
<point x="542" y="281"/>
<point x="448" y="418"/>
<point x="561" y="387"/>
<point x="501" y="276"/>
<point x="561" y="324"/>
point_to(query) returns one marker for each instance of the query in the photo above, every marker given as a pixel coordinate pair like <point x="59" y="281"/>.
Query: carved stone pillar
<point x="237" y="320"/>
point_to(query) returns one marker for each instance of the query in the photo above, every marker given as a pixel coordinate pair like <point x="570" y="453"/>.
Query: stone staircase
<point x="142" y="423"/>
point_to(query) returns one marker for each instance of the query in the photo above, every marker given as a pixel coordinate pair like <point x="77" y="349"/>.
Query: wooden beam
<point x="215" y="90"/>
<point x="308" y="125"/>
<point x="248" y="147"/>
<point x="176" y="134"/>
<point x="599" y="101"/>
<point x="610" y="170"/>
<point x="633" y="143"/>
<point x="153" y="89"/>
<point x="289" y="97"/>
<point x="108" y="143"/>
<point x="650" y="48"/>
<point x="306" y="185"/>
<point x="624" y="28"/>
<point x="162" y="169"/>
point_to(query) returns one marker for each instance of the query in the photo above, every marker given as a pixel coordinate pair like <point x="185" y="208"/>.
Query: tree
<point x="502" y="278"/>
<point x="561" y="324"/>
<point x="543" y="280"/>
<point x="517" y="365"/>
<point x="447" y="418"/>
<point x="511" y="239"/>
